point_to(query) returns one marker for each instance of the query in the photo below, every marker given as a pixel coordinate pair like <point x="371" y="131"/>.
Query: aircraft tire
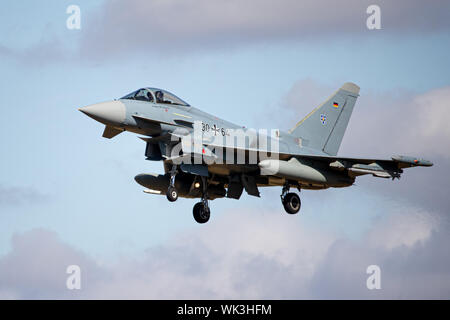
<point x="172" y="194"/>
<point x="201" y="214"/>
<point x="292" y="203"/>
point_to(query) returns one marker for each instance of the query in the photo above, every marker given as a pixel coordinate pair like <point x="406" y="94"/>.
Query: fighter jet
<point x="206" y="157"/>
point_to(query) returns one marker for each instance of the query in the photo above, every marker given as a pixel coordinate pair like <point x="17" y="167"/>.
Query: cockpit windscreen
<point x="156" y="96"/>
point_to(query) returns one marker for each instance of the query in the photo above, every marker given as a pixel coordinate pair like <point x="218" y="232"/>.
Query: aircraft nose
<point x="111" y="112"/>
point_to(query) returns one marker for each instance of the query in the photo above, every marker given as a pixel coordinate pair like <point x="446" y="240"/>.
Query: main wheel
<point x="201" y="213"/>
<point x="292" y="203"/>
<point x="172" y="194"/>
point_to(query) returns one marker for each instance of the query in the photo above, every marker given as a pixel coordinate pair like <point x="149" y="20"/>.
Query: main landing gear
<point x="201" y="209"/>
<point x="291" y="201"/>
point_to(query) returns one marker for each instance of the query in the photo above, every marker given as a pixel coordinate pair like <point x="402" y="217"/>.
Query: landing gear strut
<point x="201" y="209"/>
<point x="172" y="193"/>
<point x="291" y="201"/>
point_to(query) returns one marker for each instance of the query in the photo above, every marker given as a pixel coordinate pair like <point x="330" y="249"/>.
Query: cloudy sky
<point x="68" y="197"/>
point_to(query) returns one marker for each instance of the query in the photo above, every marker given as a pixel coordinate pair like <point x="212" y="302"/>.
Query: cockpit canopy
<point x="155" y="95"/>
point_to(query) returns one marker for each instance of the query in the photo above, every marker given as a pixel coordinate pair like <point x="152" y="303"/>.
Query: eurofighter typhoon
<point x="206" y="157"/>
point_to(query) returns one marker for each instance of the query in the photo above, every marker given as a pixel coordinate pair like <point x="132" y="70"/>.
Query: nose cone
<point x="111" y="112"/>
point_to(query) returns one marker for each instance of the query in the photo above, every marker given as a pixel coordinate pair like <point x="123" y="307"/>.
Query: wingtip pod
<point x="413" y="161"/>
<point x="350" y="87"/>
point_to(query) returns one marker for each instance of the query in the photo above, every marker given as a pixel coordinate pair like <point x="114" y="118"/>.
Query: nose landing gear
<point x="172" y="193"/>
<point x="291" y="201"/>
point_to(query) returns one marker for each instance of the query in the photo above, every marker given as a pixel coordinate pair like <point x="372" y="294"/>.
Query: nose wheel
<point x="172" y="193"/>
<point x="291" y="201"/>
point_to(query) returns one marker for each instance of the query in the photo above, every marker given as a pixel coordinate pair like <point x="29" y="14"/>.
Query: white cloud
<point x="36" y="265"/>
<point x="383" y="124"/>
<point x="387" y="124"/>
<point x="407" y="227"/>
<point x="166" y="26"/>
<point x="124" y="28"/>
<point x="13" y="195"/>
<point x="433" y="130"/>
<point x="410" y="123"/>
<point x="251" y="254"/>
<point x="244" y="255"/>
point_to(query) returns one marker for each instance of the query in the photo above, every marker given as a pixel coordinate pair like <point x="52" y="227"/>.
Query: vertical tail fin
<point x="324" y="128"/>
